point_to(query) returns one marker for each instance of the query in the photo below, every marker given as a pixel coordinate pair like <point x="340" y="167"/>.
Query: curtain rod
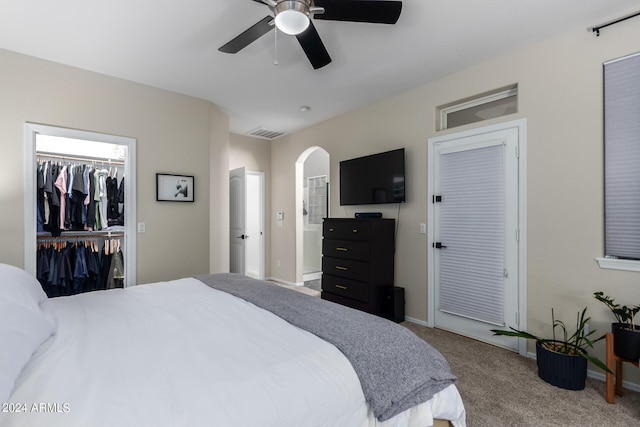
<point x="599" y="27"/>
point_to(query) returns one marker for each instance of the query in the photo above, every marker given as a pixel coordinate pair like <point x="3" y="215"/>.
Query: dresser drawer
<point x="348" y="302"/>
<point x="355" y="270"/>
<point x="345" y="288"/>
<point x="346" y="230"/>
<point x="347" y="249"/>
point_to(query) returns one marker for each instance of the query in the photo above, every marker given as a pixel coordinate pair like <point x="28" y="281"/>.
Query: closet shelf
<point x="85" y="159"/>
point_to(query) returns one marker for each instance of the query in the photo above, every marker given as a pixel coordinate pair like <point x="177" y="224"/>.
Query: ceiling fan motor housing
<point x="292" y="16"/>
<point x="302" y="6"/>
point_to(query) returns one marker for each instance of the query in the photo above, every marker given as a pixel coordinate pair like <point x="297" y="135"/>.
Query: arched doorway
<point x="312" y="204"/>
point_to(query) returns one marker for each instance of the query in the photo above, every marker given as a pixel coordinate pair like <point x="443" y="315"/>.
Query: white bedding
<point x="182" y="354"/>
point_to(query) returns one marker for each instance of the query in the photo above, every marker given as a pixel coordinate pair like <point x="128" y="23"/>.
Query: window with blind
<point x="317" y="199"/>
<point x="622" y="158"/>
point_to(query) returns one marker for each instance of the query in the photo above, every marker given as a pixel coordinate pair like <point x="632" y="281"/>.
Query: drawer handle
<point x="355" y="230"/>
<point x="341" y="287"/>
<point x="331" y="229"/>
<point x="342" y="249"/>
<point x="339" y="267"/>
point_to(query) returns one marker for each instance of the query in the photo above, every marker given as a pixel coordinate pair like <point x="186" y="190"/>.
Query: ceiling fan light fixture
<point x="292" y="16"/>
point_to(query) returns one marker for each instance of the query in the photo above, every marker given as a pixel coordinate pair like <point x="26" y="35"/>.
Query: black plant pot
<point x="626" y="341"/>
<point x="566" y="371"/>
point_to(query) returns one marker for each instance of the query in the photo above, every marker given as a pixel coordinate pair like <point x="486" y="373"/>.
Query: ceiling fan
<point x="293" y="17"/>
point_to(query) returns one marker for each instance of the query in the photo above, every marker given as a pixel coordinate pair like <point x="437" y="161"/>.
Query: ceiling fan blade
<point x="271" y="3"/>
<point x="375" y="11"/>
<point x="250" y="35"/>
<point x="313" y="47"/>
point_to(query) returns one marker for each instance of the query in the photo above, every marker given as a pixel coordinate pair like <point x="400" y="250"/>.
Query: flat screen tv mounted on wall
<point x="374" y="179"/>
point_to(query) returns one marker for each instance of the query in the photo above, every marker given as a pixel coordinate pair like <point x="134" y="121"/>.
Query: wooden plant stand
<point x="614" y="363"/>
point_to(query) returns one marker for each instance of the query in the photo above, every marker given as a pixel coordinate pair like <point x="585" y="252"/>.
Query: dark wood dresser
<point x="358" y="262"/>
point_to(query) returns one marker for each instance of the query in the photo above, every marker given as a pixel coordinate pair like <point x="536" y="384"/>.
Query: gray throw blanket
<point x="397" y="370"/>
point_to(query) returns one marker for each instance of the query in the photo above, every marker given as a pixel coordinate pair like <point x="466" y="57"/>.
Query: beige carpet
<point x="501" y="388"/>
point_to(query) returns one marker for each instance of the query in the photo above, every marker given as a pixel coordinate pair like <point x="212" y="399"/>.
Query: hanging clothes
<point x="115" y="279"/>
<point x="103" y="199"/>
<point x="61" y="188"/>
<point x="77" y="196"/>
<point x="71" y="267"/>
<point x="112" y="197"/>
<point x="121" y="202"/>
<point x="89" y="202"/>
<point x="83" y="200"/>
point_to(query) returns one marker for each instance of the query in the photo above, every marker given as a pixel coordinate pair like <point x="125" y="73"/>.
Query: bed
<point x="199" y="352"/>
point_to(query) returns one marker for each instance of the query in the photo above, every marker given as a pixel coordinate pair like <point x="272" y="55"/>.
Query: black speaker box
<point x="368" y="215"/>
<point x="395" y="304"/>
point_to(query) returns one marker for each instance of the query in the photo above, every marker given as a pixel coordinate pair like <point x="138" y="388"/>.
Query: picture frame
<point x="174" y="188"/>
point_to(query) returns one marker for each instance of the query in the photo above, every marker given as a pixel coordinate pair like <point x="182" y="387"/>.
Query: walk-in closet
<point x="81" y="203"/>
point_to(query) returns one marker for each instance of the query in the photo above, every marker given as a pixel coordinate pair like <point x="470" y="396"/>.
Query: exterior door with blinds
<point x="474" y="256"/>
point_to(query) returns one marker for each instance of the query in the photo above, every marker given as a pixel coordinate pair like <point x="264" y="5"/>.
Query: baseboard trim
<point x="277" y="279"/>
<point x="416" y="321"/>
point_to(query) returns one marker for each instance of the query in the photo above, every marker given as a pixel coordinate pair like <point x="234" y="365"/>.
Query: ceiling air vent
<point x="265" y="133"/>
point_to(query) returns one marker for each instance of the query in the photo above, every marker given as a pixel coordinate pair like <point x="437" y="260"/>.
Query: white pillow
<point x="22" y="330"/>
<point x="20" y="287"/>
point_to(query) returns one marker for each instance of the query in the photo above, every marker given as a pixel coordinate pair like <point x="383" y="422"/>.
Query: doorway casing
<point x="246" y="223"/>
<point x="520" y="127"/>
<point x="299" y="217"/>
<point x="31" y="130"/>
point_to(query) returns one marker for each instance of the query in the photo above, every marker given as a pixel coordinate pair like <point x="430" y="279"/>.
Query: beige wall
<point x="174" y="133"/>
<point x="254" y="154"/>
<point x="560" y="95"/>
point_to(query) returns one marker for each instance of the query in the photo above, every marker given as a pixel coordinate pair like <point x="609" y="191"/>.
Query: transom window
<point x="488" y="105"/>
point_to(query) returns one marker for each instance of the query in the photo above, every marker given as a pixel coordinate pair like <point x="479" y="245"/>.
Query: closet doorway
<point x="115" y="158"/>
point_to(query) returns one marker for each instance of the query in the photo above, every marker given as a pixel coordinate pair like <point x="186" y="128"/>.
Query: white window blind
<point x="472" y="231"/>
<point x="622" y="157"/>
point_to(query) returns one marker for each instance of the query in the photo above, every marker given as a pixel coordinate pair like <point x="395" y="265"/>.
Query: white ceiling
<point x="173" y="44"/>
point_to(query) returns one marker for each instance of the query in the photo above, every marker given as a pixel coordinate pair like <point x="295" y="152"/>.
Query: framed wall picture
<point x="174" y="188"/>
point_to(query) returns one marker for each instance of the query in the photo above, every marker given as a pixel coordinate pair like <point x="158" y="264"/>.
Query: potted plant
<point x="562" y="359"/>
<point x="626" y="334"/>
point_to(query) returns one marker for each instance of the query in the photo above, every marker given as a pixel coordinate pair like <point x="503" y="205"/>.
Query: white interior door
<point x="474" y="234"/>
<point x="246" y="219"/>
<point x="237" y="220"/>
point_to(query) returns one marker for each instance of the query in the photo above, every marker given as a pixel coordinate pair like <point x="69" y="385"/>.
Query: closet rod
<point x="624" y="18"/>
<point x="81" y="159"/>
<point x="83" y="235"/>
